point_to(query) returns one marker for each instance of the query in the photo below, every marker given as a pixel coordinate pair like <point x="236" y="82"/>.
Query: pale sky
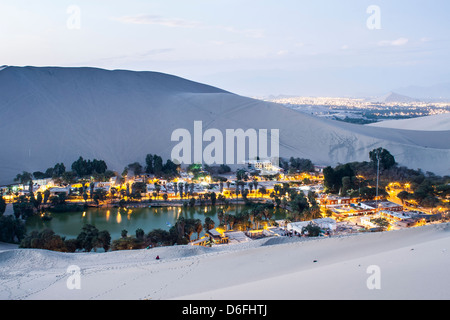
<point x="249" y="47"/>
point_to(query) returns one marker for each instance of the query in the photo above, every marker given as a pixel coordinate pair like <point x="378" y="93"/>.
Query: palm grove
<point x="355" y="179"/>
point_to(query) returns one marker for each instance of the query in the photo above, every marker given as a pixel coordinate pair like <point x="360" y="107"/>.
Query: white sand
<point x="413" y="264"/>
<point x="438" y="122"/>
<point x="58" y="114"/>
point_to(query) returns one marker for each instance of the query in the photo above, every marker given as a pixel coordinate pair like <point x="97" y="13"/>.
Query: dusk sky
<point x="249" y="47"/>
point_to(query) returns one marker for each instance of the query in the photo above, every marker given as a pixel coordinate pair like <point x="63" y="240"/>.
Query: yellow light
<point x="220" y="230"/>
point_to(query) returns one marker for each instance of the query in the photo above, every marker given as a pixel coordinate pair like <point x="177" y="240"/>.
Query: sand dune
<point x="412" y="265"/>
<point x="51" y="115"/>
<point x="439" y="122"/>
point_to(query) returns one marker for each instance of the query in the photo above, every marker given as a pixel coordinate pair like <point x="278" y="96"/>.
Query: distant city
<point x="363" y="111"/>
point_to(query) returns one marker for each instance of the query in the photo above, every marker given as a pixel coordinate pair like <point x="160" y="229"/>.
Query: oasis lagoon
<point x="114" y="220"/>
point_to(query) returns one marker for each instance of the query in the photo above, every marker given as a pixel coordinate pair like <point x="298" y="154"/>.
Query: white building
<point x="297" y="226"/>
<point x="266" y="167"/>
<point x="325" y="223"/>
<point x="394" y="216"/>
<point x="57" y="190"/>
<point x="103" y="185"/>
<point x="365" y="221"/>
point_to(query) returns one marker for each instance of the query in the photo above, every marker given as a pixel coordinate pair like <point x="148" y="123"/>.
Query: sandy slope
<point x="439" y="122"/>
<point x="52" y="115"/>
<point x="413" y="264"/>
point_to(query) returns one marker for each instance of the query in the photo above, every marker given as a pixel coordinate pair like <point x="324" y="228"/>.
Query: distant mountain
<point x="50" y="115"/>
<point x="432" y="93"/>
<point x="393" y="97"/>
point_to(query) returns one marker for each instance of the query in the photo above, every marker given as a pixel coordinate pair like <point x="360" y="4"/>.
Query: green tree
<point x="140" y="234"/>
<point x="157" y="164"/>
<point x="311" y="230"/>
<point x="198" y="227"/>
<point x="46" y="239"/>
<point x="209" y="224"/>
<point x="104" y="240"/>
<point x="387" y="160"/>
<point x="23" y="207"/>
<point x="404" y="195"/>
<point x="12" y="230"/>
<point x="381" y="222"/>
<point x="299" y="203"/>
<point x="170" y="168"/>
<point x="136" y="167"/>
<point x="149" y="164"/>
<point x="24" y="178"/>
<point x="39" y="200"/>
<point x="46" y="196"/>
<point x="160" y="237"/>
<point x="213" y="197"/>
<point x="88" y="238"/>
<point x="2" y="206"/>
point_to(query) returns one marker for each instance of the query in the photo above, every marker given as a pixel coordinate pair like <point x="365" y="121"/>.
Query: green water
<point x="69" y="224"/>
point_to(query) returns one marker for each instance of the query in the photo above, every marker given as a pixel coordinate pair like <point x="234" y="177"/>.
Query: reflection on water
<point x="115" y="220"/>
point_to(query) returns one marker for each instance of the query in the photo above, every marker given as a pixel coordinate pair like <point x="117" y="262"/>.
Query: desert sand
<point x="52" y="115"/>
<point x="438" y="122"/>
<point x="409" y="264"/>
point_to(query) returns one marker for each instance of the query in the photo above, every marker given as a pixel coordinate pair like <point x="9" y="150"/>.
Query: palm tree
<point x="209" y="224"/>
<point x="251" y="216"/>
<point x="231" y="221"/>
<point x="157" y="188"/>
<point x="255" y="184"/>
<point x="277" y="189"/>
<point x="267" y="212"/>
<point x="262" y="190"/>
<point x="85" y="196"/>
<point x="181" y="188"/>
<point x="257" y="220"/>
<point x="180" y="225"/>
<point x="213" y="197"/>
<point x="113" y="192"/>
<point x="189" y="231"/>
<point x="220" y="215"/>
<point x="198" y="227"/>
<point x="24" y="178"/>
<point x="226" y="219"/>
